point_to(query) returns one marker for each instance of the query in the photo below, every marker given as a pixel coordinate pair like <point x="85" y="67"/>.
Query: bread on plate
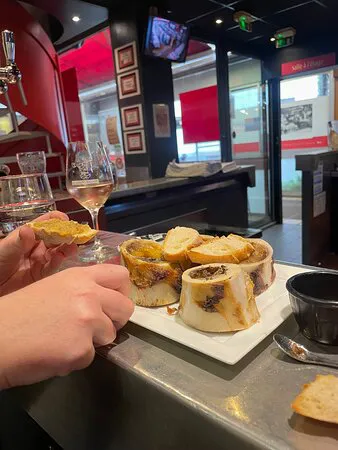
<point x="178" y="241"/>
<point x="231" y="249"/>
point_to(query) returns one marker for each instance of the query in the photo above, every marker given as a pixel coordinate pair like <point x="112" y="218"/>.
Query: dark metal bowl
<point x="314" y="301"/>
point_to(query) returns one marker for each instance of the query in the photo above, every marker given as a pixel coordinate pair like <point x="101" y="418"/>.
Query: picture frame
<point x="161" y="116"/>
<point x="134" y="142"/>
<point x="132" y="117"/>
<point x="126" y="58"/>
<point x="129" y="84"/>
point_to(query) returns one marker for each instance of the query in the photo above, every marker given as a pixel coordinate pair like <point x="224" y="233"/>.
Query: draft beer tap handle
<point x="8" y="43"/>
<point x="22" y="92"/>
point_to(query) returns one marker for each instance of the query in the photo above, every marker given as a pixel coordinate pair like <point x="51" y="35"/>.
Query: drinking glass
<point x="32" y="162"/>
<point x="23" y="198"/>
<point x="333" y="134"/>
<point x="90" y="181"/>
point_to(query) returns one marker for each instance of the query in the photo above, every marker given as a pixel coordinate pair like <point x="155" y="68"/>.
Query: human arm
<point x="51" y="327"/>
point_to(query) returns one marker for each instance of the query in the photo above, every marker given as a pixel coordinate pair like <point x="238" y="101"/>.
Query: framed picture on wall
<point x="132" y="117"/>
<point x="111" y="128"/>
<point x="134" y="142"/>
<point x="161" y="120"/>
<point x="126" y="57"/>
<point x="129" y="84"/>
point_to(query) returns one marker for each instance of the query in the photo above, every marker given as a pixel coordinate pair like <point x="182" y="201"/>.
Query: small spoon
<point x="300" y="353"/>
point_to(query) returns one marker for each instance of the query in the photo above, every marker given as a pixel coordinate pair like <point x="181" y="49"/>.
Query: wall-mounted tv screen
<point x="167" y="39"/>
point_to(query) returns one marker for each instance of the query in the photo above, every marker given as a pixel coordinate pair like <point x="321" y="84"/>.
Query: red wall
<point x="72" y="102"/>
<point x="37" y="60"/>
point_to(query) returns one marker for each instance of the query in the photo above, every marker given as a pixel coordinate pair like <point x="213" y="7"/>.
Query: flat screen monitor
<point x="167" y="40"/>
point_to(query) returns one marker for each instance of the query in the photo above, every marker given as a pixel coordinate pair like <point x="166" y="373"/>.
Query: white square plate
<point x="273" y="305"/>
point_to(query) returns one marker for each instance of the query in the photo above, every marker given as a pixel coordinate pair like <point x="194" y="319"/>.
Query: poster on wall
<point x="134" y="142"/>
<point x="126" y="58"/>
<point x="129" y="84"/>
<point x="161" y="120"/>
<point x="132" y="117"/>
<point x="111" y="127"/>
<point x="295" y="119"/>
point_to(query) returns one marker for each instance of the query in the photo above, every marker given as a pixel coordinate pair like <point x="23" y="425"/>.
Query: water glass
<point x="31" y="162"/>
<point x="23" y="198"/>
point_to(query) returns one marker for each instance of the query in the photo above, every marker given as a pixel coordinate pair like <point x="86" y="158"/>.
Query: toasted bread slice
<point x="207" y="238"/>
<point x="55" y="232"/>
<point x="319" y="399"/>
<point x="222" y="250"/>
<point x="178" y="241"/>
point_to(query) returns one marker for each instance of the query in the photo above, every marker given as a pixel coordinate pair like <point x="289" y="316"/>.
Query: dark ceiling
<point x="92" y="16"/>
<point x="311" y="18"/>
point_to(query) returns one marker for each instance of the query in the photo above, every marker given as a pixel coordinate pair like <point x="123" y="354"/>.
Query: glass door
<point x="249" y="132"/>
<point x="307" y="104"/>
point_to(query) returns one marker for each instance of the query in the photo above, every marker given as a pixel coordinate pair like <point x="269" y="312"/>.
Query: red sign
<point x="306" y="64"/>
<point x="200" y="121"/>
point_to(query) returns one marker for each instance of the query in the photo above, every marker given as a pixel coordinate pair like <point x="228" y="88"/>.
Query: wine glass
<point x="32" y="162"/>
<point x="23" y="198"/>
<point x="90" y="181"/>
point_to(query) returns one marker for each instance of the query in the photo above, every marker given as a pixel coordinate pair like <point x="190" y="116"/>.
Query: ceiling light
<point x="272" y="39"/>
<point x="229" y="53"/>
<point x="76" y="19"/>
<point x="219" y="21"/>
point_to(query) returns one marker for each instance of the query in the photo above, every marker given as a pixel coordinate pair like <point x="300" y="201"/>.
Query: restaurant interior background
<point x="248" y="109"/>
<point x="306" y="102"/>
<point x="93" y="62"/>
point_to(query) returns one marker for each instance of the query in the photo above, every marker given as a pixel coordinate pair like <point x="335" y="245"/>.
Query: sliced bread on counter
<point x="319" y="399"/>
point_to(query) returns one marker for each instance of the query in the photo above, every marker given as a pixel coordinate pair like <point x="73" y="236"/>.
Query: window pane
<point x="92" y="60"/>
<point x="197" y="79"/>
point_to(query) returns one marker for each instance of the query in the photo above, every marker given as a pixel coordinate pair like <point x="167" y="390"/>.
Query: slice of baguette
<point x="178" y="241"/>
<point x="319" y="399"/>
<point x="223" y="250"/>
<point x="55" y="232"/>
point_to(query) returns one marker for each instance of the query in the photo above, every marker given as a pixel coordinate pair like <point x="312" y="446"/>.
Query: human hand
<point x="50" y="328"/>
<point x="24" y="260"/>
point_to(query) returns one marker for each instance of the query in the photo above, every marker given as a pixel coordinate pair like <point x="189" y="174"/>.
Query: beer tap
<point x="10" y="74"/>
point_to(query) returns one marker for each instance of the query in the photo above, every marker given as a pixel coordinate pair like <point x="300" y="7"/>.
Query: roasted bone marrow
<point x="218" y="298"/>
<point x="154" y="281"/>
<point x="260" y="266"/>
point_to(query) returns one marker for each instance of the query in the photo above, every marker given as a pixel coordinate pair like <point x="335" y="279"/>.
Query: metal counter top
<point x="147" y="392"/>
<point x="250" y="400"/>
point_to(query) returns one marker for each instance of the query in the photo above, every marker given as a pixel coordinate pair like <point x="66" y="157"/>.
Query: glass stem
<point x="95" y="219"/>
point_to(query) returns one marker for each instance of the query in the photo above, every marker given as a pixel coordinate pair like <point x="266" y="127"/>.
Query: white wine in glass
<point x="90" y="182"/>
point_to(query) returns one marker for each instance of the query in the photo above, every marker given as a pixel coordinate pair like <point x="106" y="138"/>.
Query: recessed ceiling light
<point x="76" y="19"/>
<point x="272" y="39"/>
<point x="219" y="21"/>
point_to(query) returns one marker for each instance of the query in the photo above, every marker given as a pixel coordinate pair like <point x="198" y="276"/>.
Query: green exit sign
<point x="245" y="24"/>
<point x="284" y="41"/>
<point x="244" y="20"/>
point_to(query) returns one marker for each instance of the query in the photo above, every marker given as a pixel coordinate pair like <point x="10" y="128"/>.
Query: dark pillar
<point x="156" y="88"/>
<point x="275" y="150"/>
<point x="222" y="67"/>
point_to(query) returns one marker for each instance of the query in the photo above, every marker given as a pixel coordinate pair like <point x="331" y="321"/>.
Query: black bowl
<point x="314" y="301"/>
